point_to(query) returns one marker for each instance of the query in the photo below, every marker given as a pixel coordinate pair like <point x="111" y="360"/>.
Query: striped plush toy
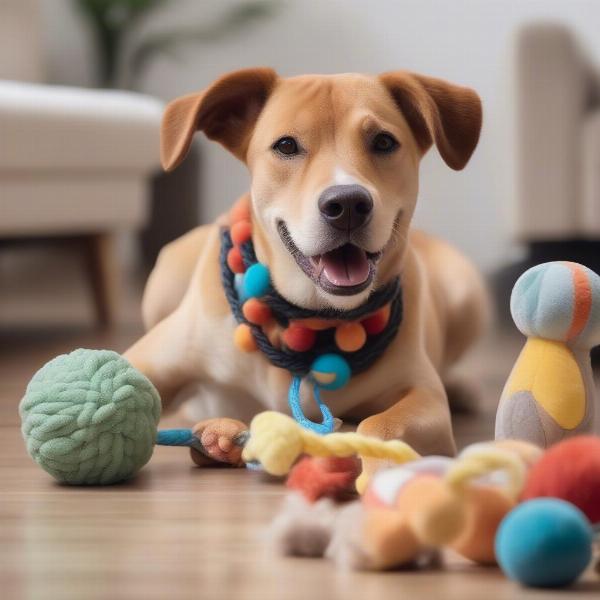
<point x="550" y="392"/>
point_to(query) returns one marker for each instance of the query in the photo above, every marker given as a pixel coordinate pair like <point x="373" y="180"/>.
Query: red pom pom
<point x="377" y="322"/>
<point x="256" y="312"/>
<point x="318" y="478"/>
<point x="569" y="470"/>
<point x="241" y="232"/>
<point x="235" y="260"/>
<point x="298" y="338"/>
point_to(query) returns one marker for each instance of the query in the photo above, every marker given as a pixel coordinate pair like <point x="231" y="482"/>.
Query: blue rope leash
<point x="294" y="400"/>
<point x="178" y="437"/>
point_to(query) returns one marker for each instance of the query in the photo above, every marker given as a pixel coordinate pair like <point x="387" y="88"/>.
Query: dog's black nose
<point x="346" y="207"/>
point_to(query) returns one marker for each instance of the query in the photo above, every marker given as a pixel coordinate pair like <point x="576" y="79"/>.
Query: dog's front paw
<point x="222" y="441"/>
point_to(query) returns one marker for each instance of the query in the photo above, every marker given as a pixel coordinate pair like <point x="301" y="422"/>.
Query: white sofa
<point x="74" y="162"/>
<point x="558" y="137"/>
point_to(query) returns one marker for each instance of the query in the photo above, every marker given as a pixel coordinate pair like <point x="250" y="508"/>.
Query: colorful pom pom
<point x="241" y="232"/>
<point x="240" y="211"/>
<point x="330" y="371"/>
<point x="544" y="543"/>
<point x="256" y="312"/>
<point x="243" y="338"/>
<point x="257" y="281"/>
<point x="273" y="332"/>
<point x="350" y="337"/>
<point x="235" y="260"/>
<point x="299" y="338"/>
<point x="377" y="322"/>
<point x="238" y="283"/>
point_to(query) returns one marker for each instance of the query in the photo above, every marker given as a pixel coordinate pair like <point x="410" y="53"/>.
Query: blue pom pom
<point x="238" y="283"/>
<point x="257" y="281"/>
<point x="544" y="542"/>
<point x="330" y="371"/>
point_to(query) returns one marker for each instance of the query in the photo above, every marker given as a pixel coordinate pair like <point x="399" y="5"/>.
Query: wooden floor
<point x="175" y="531"/>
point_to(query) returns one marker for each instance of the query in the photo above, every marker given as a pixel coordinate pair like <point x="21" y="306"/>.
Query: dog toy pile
<point x="483" y="505"/>
<point x="327" y="347"/>
<point x="410" y="511"/>
<point x="529" y="501"/>
<point x="550" y="392"/>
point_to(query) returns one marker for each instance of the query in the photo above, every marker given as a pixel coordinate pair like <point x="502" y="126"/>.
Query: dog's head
<point x="334" y="164"/>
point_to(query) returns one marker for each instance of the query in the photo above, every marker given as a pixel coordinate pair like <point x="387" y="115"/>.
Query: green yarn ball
<point x="90" y="418"/>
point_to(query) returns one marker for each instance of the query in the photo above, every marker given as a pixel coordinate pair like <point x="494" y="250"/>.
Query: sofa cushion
<point x="64" y="129"/>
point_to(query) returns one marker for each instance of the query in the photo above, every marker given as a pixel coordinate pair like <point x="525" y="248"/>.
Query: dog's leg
<point x="161" y="356"/>
<point x="165" y="358"/>
<point x="421" y="418"/>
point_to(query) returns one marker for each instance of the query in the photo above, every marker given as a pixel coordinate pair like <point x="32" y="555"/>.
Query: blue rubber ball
<point x="330" y="371"/>
<point x="257" y="281"/>
<point x="545" y="542"/>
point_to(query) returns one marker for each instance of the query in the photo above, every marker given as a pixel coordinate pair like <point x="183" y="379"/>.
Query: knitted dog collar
<point x="326" y="346"/>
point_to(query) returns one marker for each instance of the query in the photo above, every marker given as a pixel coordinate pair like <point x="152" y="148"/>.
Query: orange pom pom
<point x="273" y="332"/>
<point x="256" y="312"/>
<point x="350" y="337"/>
<point x="235" y="260"/>
<point x="299" y="338"/>
<point x="243" y="338"/>
<point x="378" y="321"/>
<point x="240" y="211"/>
<point x="241" y="232"/>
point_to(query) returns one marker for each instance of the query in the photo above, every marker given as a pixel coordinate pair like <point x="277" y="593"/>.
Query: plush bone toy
<point x="550" y="391"/>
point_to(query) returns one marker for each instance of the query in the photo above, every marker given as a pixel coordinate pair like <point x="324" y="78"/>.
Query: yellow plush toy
<point x="550" y="391"/>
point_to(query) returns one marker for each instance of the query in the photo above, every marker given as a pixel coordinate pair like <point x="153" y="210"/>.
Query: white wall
<point x="466" y="41"/>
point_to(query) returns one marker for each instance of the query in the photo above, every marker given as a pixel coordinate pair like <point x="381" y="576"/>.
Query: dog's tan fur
<point x="190" y="337"/>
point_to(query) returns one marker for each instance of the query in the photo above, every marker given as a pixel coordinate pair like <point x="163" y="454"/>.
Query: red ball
<point x="377" y="322"/>
<point x="298" y="338"/>
<point x="235" y="260"/>
<point x="569" y="470"/>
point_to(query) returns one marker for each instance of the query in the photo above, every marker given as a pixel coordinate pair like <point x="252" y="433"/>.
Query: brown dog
<point x="349" y="139"/>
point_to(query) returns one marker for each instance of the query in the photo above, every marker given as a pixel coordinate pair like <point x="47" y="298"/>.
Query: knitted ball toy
<point x="90" y="418"/>
<point x="569" y="470"/>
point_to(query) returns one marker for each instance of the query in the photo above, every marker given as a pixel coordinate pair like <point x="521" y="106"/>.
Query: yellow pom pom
<point x="243" y="338"/>
<point x="350" y="337"/>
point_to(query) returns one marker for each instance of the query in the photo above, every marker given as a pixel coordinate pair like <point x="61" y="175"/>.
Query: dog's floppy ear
<point x="438" y="111"/>
<point x="226" y="112"/>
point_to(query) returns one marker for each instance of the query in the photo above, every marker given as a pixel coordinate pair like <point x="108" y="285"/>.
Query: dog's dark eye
<point x="287" y="146"/>
<point x="384" y="143"/>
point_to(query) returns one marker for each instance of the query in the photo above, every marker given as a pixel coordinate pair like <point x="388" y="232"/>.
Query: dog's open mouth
<point x="343" y="271"/>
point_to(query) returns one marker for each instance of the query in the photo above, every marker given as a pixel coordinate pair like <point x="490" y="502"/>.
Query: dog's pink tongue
<point x="346" y="266"/>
